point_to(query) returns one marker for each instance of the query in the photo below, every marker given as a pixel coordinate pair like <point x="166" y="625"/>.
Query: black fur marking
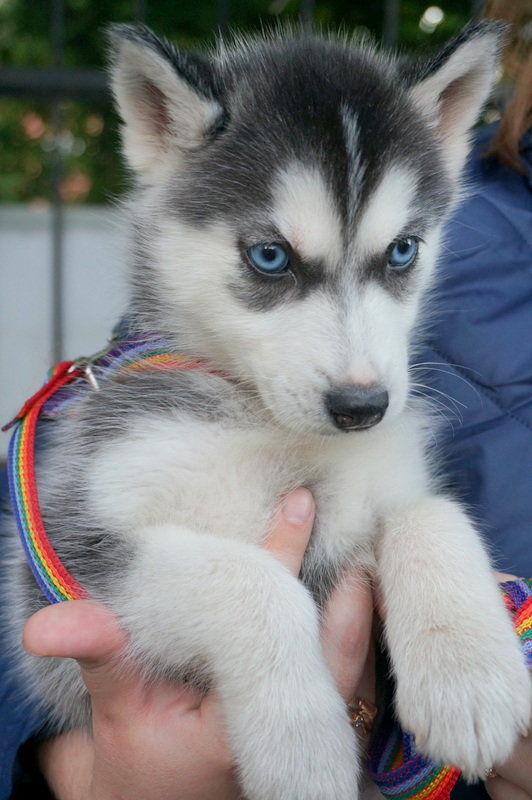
<point x="430" y="206"/>
<point x="420" y="69"/>
<point x="320" y="579"/>
<point x="396" y="283"/>
<point x="195" y="68"/>
<point x="262" y="292"/>
<point x="285" y="104"/>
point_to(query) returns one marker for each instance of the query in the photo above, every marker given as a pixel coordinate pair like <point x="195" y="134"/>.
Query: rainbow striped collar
<point x="134" y="354"/>
<point x="66" y="383"/>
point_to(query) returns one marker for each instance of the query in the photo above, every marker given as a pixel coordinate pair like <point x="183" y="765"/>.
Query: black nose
<point x="355" y="408"/>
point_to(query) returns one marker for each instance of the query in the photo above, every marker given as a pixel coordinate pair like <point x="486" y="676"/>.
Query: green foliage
<point x="87" y="141"/>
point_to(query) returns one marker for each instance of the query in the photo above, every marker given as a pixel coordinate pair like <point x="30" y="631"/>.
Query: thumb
<point x="291" y="528"/>
<point x="85" y="631"/>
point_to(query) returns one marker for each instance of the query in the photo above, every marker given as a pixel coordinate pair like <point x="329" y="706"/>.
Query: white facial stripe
<point x="389" y="209"/>
<point x="356" y="172"/>
<point x="306" y="215"/>
<point x="378" y="329"/>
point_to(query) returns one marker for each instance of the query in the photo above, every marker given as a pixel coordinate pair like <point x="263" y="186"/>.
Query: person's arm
<point x="167" y="742"/>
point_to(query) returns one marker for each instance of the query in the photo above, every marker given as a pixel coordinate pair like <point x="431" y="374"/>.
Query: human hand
<point x="168" y="741"/>
<point x="513" y="779"/>
<point x="160" y="741"/>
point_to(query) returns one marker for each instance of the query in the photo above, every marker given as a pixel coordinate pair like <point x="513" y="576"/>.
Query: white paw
<point x="465" y="699"/>
<point x="311" y="756"/>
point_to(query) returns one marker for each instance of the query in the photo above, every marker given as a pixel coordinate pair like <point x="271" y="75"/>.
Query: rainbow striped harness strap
<point x="399" y="772"/>
<point x="68" y="382"/>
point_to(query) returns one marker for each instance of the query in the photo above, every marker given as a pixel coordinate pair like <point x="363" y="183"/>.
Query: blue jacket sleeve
<point x="479" y="355"/>
<point x="18" y="723"/>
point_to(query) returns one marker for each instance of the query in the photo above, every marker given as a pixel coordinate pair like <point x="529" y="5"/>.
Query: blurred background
<point x="62" y="281"/>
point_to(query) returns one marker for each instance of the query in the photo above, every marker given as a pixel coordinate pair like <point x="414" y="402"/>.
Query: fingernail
<point x="298" y="506"/>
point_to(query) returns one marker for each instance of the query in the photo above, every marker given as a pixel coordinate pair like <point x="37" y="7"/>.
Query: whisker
<point x="429" y="364"/>
<point x="435" y="364"/>
<point x="438" y="408"/>
<point x="453" y="410"/>
<point x="449" y="397"/>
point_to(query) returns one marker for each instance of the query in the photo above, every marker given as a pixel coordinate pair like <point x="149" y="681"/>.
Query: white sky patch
<point x="306" y="214"/>
<point x="388" y="211"/>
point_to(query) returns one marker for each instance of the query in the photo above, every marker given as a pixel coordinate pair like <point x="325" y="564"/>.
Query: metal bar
<point x="139" y="11"/>
<point x="57" y="38"/>
<point x="390" y="33"/>
<point x="223" y="13"/>
<point x="57" y="230"/>
<point x="53" y="83"/>
<point x="306" y="12"/>
<point x="477" y="7"/>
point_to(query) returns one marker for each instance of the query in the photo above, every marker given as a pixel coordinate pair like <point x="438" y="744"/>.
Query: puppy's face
<point x="290" y="242"/>
<point x="313" y="311"/>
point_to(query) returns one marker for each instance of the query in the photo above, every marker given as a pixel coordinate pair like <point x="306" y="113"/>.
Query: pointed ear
<point x="451" y="88"/>
<point x="166" y="99"/>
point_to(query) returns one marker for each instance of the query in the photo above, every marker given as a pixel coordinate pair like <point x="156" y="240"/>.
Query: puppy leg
<point x="462" y="685"/>
<point x="195" y="598"/>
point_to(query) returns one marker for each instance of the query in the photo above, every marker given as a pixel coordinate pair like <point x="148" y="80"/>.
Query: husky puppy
<point x="290" y="193"/>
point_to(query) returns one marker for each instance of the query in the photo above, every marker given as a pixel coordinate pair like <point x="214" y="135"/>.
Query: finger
<point x="500" y="789"/>
<point x="86" y="631"/>
<point x="346" y="633"/>
<point x="79" y="629"/>
<point x="291" y="529"/>
<point x="518" y="768"/>
<point x="502" y="577"/>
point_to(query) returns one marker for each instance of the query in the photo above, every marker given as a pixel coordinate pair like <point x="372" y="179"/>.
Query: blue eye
<point x="269" y="258"/>
<point x="402" y="253"/>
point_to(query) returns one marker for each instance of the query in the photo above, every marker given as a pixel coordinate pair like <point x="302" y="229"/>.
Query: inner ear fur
<point x="451" y="88"/>
<point x="166" y="99"/>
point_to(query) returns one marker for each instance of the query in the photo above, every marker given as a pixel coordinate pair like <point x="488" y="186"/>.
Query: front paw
<point x="465" y="699"/>
<point x="310" y="754"/>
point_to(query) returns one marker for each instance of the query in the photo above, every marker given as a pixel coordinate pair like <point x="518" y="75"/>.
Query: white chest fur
<point x="227" y="481"/>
